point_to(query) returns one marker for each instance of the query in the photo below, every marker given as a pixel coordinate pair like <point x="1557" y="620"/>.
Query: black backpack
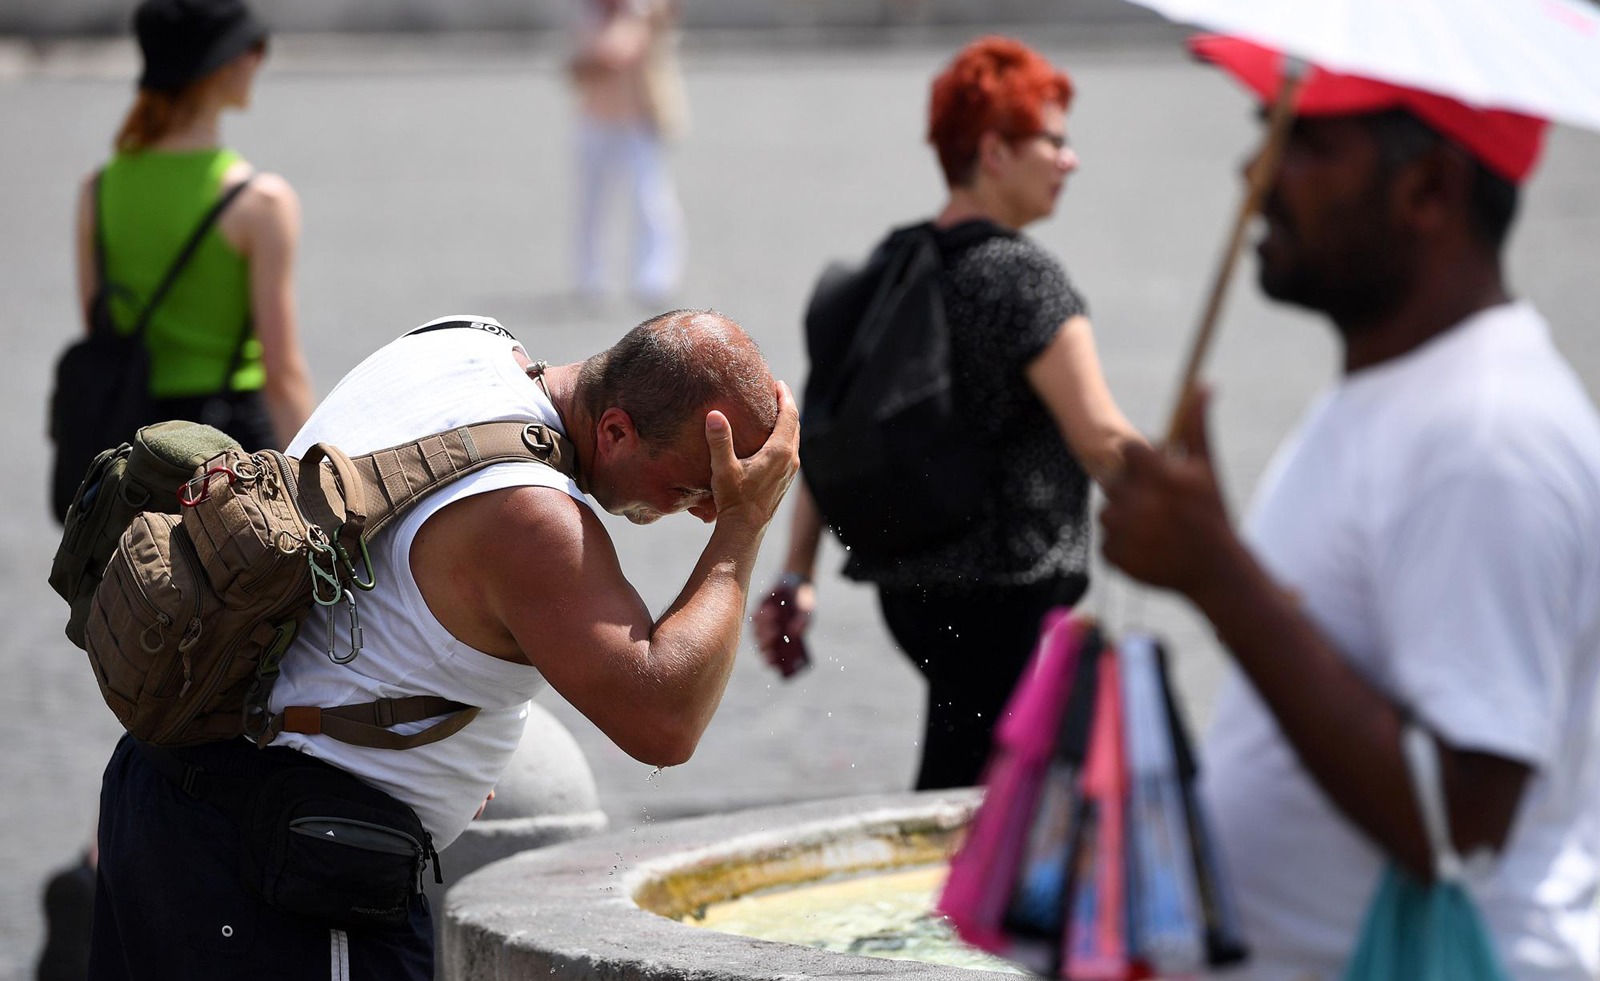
<point x="101" y="395"/>
<point x="886" y="451"/>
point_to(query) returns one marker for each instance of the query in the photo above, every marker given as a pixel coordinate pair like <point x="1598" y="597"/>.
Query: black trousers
<point x="971" y="648"/>
<point x="169" y="903"/>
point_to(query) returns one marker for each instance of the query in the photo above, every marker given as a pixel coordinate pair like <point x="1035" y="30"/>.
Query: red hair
<point x="155" y="114"/>
<point x="995" y="83"/>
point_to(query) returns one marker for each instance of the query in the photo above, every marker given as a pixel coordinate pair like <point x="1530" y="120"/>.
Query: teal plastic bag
<point x="1414" y="932"/>
<point x="1417" y="932"/>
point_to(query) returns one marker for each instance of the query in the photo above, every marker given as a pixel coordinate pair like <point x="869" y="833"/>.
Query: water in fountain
<point x="888" y="914"/>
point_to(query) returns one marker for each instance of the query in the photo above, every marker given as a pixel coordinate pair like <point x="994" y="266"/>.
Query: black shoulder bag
<point x="886" y="450"/>
<point x="102" y="381"/>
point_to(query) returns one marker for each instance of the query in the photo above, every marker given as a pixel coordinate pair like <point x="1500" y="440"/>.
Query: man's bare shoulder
<point x="509" y="527"/>
<point x="487" y="561"/>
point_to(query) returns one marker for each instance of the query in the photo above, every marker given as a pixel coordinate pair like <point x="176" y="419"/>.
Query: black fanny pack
<point x="315" y="841"/>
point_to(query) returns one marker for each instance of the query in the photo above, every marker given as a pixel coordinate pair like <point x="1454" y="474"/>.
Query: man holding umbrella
<point x="1425" y="550"/>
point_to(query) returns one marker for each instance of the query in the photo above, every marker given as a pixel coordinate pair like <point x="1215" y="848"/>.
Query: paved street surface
<point x="435" y="176"/>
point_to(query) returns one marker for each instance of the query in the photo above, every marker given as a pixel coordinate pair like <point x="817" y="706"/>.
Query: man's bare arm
<point x="554" y="581"/>
<point x="264" y="226"/>
<point x="83" y="229"/>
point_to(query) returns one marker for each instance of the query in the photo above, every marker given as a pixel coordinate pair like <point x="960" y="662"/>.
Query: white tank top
<point x="412" y="387"/>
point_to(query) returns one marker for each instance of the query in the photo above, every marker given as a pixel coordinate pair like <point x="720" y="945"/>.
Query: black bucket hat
<point x="185" y="40"/>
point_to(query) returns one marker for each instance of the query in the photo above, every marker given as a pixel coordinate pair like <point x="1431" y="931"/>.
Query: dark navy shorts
<point x="169" y="903"/>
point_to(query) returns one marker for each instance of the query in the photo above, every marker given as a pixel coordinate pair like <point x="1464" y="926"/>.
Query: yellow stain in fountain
<point x="886" y="914"/>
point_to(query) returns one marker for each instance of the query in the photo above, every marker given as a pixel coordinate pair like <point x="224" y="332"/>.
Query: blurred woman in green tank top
<point x="223" y="342"/>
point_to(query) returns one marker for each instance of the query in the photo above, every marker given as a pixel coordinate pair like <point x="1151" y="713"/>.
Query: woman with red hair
<point x="966" y="609"/>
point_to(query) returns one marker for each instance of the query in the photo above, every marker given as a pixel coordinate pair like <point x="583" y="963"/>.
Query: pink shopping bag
<point x="983" y="872"/>
<point x="1097" y="930"/>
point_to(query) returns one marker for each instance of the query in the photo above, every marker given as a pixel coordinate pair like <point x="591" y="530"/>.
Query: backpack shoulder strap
<point x="394" y="479"/>
<point x="916" y="253"/>
<point x="913" y="261"/>
<point x="100" y="285"/>
<point x="369" y="723"/>
<point x="186" y="253"/>
<point x="246" y="330"/>
<point x="391" y="481"/>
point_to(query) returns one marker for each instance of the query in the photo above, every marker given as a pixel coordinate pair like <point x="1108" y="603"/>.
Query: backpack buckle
<point x="304" y="719"/>
<point x="534" y="439"/>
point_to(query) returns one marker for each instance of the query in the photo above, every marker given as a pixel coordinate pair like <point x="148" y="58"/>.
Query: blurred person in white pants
<point x="631" y="103"/>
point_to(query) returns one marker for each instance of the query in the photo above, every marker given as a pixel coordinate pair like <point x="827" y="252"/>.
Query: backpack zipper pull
<point x="191" y="633"/>
<point x="159" y="626"/>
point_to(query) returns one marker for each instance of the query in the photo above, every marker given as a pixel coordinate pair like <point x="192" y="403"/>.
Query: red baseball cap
<point x="1508" y="143"/>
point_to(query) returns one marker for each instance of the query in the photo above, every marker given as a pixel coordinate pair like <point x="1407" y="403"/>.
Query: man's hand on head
<point x="755" y="485"/>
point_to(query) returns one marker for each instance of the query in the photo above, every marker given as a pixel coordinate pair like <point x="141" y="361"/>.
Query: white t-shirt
<point x="1439" y="517"/>
<point x="410" y="388"/>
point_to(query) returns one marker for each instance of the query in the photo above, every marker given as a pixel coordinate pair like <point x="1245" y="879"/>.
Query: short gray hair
<point x="670" y="368"/>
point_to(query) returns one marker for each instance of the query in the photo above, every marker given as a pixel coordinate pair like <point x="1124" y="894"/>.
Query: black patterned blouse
<point x="1006" y="298"/>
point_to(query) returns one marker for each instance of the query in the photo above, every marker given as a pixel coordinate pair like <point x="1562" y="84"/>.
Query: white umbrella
<point x="1539" y="57"/>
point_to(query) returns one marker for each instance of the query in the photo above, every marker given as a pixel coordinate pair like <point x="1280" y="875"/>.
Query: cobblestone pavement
<point x="435" y="177"/>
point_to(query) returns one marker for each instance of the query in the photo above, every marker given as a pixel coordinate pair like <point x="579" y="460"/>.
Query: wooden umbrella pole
<point x="1260" y="178"/>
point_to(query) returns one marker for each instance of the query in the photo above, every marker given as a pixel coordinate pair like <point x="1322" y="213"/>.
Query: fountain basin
<point x="607" y="908"/>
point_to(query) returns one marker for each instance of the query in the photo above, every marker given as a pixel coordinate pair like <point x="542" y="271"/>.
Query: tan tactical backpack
<point x="187" y="596"/>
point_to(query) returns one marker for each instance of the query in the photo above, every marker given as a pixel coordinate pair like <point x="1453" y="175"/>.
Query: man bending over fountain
<point x="486" y="589"/>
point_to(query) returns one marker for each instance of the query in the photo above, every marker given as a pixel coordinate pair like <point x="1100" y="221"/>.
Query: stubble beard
<point x="1362" y="277"/>
<point x="641" y="515"/>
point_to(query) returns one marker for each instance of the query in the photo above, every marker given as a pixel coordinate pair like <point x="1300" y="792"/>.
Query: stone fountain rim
<point x="567" y="911"/>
